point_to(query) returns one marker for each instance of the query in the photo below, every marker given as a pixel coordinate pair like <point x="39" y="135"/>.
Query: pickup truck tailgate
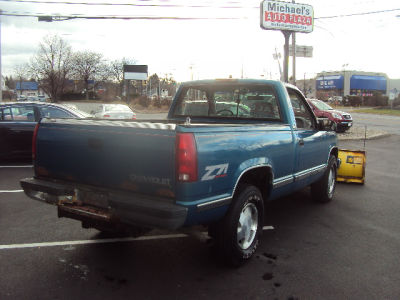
<point x="123" y="155"/>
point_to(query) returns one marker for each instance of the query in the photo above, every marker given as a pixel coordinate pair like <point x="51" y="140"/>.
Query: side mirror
<point x="324" y="124"/>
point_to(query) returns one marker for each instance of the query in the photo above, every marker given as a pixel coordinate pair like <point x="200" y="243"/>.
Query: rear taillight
<point x="34" y="141"/>
<point x="186" y="157"/>
<point x="134" y="117"/>
<point x="106" y="116"/>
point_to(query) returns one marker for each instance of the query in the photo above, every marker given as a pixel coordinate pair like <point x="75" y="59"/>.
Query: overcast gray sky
<point x="210" y="48"/>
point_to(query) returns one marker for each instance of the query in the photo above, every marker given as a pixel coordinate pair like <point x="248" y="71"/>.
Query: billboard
<point x="301" y="51"/>
<point x="330" y="82"/>
<point x="135" y="72"/>
<point x="370" y="83"/>
<point x="277" y="15"/>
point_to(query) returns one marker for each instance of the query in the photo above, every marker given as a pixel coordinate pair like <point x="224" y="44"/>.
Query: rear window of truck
<point x="248" y="102"/>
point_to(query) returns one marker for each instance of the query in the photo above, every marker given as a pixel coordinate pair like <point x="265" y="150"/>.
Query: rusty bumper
<point x="106" y="206"/>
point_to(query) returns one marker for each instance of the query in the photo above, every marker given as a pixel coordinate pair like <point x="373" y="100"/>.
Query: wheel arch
<point x="260" y="176"/>
<point x="334" y="151"/>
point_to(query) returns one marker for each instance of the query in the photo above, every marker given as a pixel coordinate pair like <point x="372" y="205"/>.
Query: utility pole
<point x="277" y="56"/>
<point x="294" y="54"/>
<point x="1" y="74"/>
<point x="344" y="78"/>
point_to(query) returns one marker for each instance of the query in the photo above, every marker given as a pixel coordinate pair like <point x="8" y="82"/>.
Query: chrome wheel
<point x="247" y="226"/>
<point x="331" y="181"/>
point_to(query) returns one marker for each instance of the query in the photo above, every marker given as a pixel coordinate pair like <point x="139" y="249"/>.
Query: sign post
<point x="134" y="72"/>
<point x="286" y="34"/>
<point x="288" y="18"/>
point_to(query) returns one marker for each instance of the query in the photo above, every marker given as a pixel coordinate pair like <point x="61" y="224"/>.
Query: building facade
<point x="27" y="88"/>
<point x="346" y="82"/>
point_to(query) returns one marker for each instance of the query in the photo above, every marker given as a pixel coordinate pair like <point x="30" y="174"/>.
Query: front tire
<point x="238" y="234"/>
<point x="322" y="191"/>
<point x="334" y="127"/>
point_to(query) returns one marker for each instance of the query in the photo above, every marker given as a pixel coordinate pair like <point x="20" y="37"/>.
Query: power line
<point x="126" y="4"/>
<point x="71" y="17"/>
<point x="359" y="14"/>
<point x="166" y="5"/>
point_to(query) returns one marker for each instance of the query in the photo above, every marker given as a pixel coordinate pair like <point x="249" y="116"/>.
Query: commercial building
<point x="344" y="83"/>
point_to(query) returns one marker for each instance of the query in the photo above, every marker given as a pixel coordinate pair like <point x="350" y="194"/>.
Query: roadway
<point x="390" y="124"/>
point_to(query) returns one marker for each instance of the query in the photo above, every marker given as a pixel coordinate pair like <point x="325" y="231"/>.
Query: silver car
<point x="113" y="111"/>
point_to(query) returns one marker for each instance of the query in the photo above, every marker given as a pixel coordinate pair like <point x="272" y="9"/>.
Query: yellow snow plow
<point x="352" y="166"/>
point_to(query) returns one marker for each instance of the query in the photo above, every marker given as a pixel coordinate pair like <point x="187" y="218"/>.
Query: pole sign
<point x="301" y="51"/>
<point x="135" y="72"/>
<point x="277" y="15"/>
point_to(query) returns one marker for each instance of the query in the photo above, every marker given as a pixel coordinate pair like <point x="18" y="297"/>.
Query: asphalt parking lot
<point x="347" y="249"/>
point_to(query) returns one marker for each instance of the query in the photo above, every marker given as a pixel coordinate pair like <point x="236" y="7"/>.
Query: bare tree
<point x="21" y="73"/>
<point x="88" y="65"/>
<point x="51" y="65"/>
<point x="154" y="84"/>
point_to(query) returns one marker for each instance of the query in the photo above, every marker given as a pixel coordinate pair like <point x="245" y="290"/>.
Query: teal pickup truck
<point x="226" y="147"/>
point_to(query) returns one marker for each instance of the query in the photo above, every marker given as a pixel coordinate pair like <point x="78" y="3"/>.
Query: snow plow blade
<point x="352" y="166"/>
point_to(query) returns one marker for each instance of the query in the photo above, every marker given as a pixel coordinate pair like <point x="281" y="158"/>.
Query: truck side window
<point x="51" y="112"/>
<point x="302" y="113"/>
<point x="22" y="113"/>
<point x="5" y="114"/>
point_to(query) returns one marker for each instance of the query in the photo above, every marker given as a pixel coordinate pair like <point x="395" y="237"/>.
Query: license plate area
<point x="96" y="199"/>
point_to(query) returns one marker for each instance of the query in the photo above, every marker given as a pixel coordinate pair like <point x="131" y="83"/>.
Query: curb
<point x="371" y="137"/>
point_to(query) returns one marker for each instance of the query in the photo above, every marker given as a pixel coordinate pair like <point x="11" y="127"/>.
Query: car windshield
<point x="321" y="105"/>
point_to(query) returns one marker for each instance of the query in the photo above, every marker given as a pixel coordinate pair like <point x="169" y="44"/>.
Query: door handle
<point x="301" y="142"/>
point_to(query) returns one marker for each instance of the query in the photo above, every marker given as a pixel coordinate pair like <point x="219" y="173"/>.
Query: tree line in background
<point x="64" y="74"/>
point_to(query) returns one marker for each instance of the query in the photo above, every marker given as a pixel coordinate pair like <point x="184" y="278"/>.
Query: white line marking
<point x="102" y="241"/>
<point x="28" y="166"/>
<point x="85" y="242"/>
<point x="268" y="228"/>
<point x="12" y="191"/>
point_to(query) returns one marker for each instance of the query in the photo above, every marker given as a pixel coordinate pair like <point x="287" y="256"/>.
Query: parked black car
<point x="18" y="121"/>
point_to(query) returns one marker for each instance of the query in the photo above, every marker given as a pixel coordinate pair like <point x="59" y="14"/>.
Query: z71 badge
<point x="216" y="171"/>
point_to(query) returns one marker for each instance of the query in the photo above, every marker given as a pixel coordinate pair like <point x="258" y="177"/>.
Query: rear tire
<point x="238" y="234"/>
<point x="322" y="191"/>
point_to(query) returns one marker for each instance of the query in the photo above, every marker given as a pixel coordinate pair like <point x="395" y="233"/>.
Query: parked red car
<point x="342" y="121"/>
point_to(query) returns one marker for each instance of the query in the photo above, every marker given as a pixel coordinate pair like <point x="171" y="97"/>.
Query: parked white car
<point x="113" y="111"/>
